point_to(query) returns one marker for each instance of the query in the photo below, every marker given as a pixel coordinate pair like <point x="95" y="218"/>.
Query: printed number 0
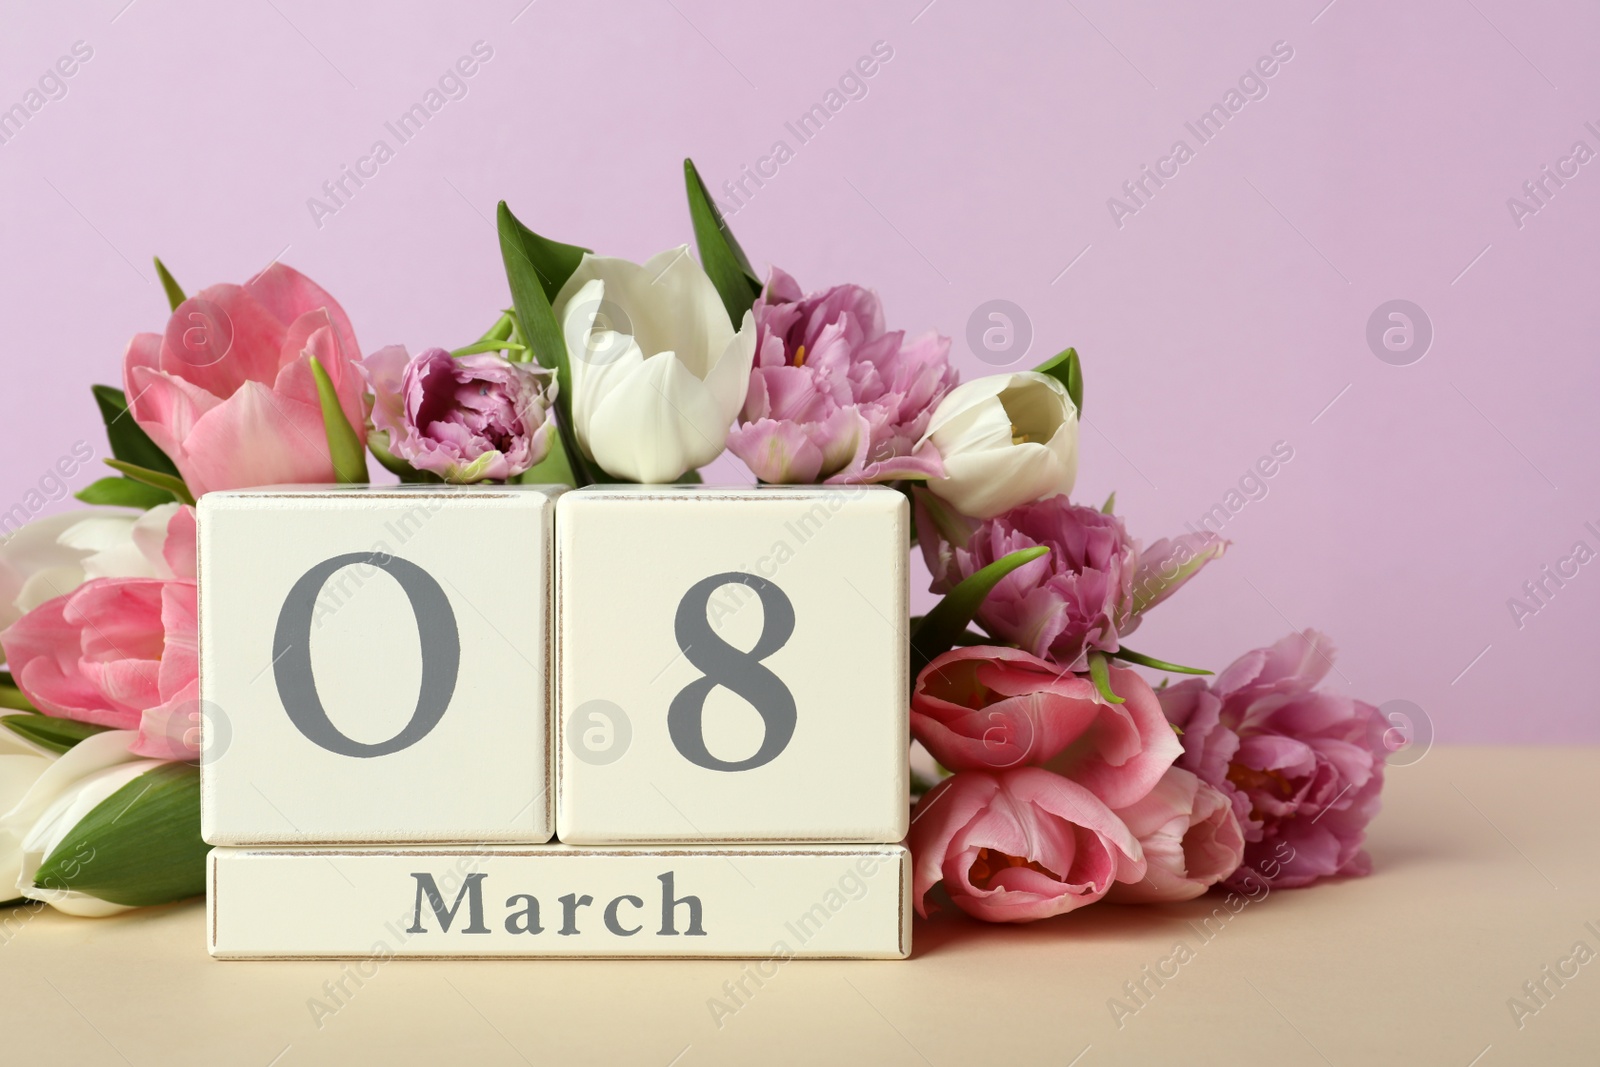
<point x="291" y="654"/>
<point x="738" y="672"/>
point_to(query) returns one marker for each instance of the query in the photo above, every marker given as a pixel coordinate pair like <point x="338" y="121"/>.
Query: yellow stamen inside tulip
<point x="1248" y="778"/>
<point x="990" y="863"/>
<point x="1020" y="437"/>
<point x="800" y="356"/>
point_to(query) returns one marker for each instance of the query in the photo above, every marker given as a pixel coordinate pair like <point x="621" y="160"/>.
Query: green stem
<point x="1156" y="664"/>
<point x="1101" y="675"/>
<point x="500" y="330"/>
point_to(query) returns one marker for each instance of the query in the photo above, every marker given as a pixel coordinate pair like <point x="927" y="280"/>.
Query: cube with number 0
<point x="732" y="664"/>
<point x="374" y="664"/>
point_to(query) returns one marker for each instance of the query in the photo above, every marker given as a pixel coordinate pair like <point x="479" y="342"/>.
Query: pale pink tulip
<point x="119" y="652"/>
<point x="464" y="418"/>
<point x="1018" y="845"/>
<point x="834" y="397"/>
<point x="1085" y="595"/>
<point x="989" y="708"/>
<point x="1302" y="766"/>
<point x="228" y="391"/>
<point x="1190" y="836"/>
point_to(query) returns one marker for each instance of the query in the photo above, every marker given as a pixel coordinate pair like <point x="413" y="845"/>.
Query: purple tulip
<point x="465" y="419"/>
<point x="835" y="398"/>
<point x="1086" y="594"/>
<point x="1303" y="767"/>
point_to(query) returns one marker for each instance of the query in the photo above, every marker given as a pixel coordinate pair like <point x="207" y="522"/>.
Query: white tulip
<point x="21" y="764"/>
<point x="1005" y="440"/>
<point x="61" y="794"/>
<point x="51" y="557"/>
<point x="658" y="372"/>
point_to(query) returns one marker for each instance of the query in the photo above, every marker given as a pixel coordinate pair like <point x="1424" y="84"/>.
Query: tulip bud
<point x="658" y="372"/>
<point x="58" y="797"/>
<point x="1005" y="440"/>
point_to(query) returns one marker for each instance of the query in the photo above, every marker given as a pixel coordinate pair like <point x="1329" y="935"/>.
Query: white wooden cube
<point x="771" y="903"/>
<point x="732" y="664"/>
<point x="375" y="664"/>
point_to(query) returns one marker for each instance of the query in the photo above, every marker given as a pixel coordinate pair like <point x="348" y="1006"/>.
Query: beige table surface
<point x="1488" y="868"/>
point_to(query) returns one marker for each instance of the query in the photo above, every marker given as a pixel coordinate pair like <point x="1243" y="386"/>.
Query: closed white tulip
<point x="1005" y="440"/>
<point x="658" y="372"/>
<point x="21" y="764"/>
<point x="61" y="792"/>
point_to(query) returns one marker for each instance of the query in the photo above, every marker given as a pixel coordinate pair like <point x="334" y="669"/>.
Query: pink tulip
<point x="228" y="393"/>
<point x="833" y="396"/>
<point x="1302" y="767"/>
<point x="1085" y="595"/>
<point x="465" y="419"/>
<point x="1190" y="836"/>
<point x="1018" y="845"/>
<point x="119" y="652"/>
<point x="989" y="708"/>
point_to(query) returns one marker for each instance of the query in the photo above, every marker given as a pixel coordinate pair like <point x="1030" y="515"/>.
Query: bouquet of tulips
<point x="1053" y="774"/>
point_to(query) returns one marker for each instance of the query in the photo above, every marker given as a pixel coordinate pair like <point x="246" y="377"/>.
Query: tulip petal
<point x="943" y="812"/>
<point x="288" y="295"/>
<point x="670" y="303"/>
<point x="658" y="422"/>
<point x="167" y="407"/>
<point x="383" y="371"/>
<point x="222" y="338"/>
<point x="776" y="452"/>
<point x="728" y="379"/>
<point x="254" y="438"/>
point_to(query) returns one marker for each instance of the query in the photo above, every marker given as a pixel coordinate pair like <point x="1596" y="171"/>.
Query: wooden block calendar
<point x="701" y="691"/>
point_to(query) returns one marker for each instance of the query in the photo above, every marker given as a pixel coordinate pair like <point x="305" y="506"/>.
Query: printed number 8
<point x="738" y="672"/>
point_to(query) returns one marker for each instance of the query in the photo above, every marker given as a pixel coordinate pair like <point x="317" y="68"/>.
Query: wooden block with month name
<point x="374" y="664"/>
<point x="732" y="664"/>
<point x="771" y="903"/>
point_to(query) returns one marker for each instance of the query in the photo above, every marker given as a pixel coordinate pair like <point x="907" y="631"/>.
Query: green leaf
<point x="138" y="847"/>
<point x="1066" y="369"/>
<point x="492" y="345"/>
<point x="47" y="731"/>
<point x="1109" y="505"/>
<point x="378" y="445"/>
<point x="124" y="492"/>
<point x="12" y="697"/>
<point x="720" y="255"/>
<point x="1101" y="674"/>
<point x="942" y="627"/>
<point x="170" y="482"/>
<point x="344" y="447"/>
<point x="128" y="442"/>
<point x="1156" y="664"/>
<point x="170" y="284"/>
<point x="522" y="250"/>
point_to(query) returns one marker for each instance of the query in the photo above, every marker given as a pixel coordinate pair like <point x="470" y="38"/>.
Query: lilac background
<point x="1227" y="315"/>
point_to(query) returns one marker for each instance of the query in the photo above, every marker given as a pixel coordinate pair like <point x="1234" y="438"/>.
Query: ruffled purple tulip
<point x="1086" y="594"/>
<point x="1302" y="767"/>
<point x="835" y="398"/>
<point x="465" y="419"/>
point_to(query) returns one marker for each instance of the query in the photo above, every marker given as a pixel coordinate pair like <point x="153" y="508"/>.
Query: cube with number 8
<point x="732" y="664"/>
<point x="374" y="664"/>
